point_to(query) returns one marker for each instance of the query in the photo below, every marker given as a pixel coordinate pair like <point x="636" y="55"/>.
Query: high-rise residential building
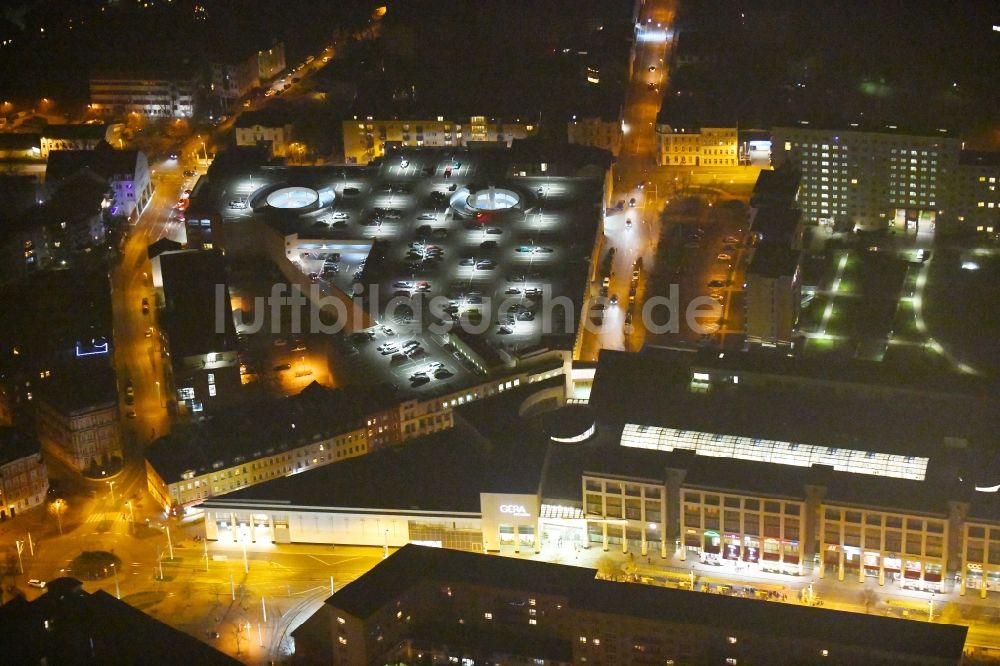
<point x="157" y="96"/>
<point x="773" y="295"/>
<point x="368" y="138"/>
<point x="859" y="179"/>
<point x="976" y="192"/>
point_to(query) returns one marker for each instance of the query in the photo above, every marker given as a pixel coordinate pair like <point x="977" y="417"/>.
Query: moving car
<point x="34" y="582"/>
<point x="145" y="306"/>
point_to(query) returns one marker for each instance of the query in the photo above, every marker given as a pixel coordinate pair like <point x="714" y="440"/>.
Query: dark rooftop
<point x="776" y="225"/>
<point x="16" y="444"/>
<point x="68" y="625"/>
<point x="103" y="160"/>
<point x="76" y="391"/>
<point x="412" y="565"/>
<point x="253" y="430"/>
<point x="269" y="116"/>
<point x="774" y="260"/>
<point x="190" y="282"/>
<point x="777" y="187"/>
<point x="979" y="158"/>
<point x="92" y="131"/>
<point x="442" y="472"/>
<point x="19" y="141"/>
<point x="817" y="403"/>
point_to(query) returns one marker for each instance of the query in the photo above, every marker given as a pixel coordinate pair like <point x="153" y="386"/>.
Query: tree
<point x="607" y="568"/>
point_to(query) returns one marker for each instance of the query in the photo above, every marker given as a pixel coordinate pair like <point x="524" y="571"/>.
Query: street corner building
<point x="429" y="605"/>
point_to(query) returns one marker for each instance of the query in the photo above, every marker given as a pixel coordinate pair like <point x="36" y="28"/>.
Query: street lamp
<point x="118" y="591"/>
<point x="57" y="508"/>
<point x="20" y="547"/>
<point x="112" y="484"/>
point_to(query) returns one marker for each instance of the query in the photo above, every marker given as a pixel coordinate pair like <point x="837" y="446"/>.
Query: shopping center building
<point x="691" y="457"/>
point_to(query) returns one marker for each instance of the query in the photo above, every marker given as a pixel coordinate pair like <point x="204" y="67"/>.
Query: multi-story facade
<point x="979" y="567"/>
<point x="79" y="423"/>
<point x="232" y="81"/>
<point x="271" y="62"/>
<point x="252" y="129"/>
<point x="908" y="547"/>
<point x="773" y="295"/>
<point x="156" y="97"/>
<point x="415" y="605"/>
<point x="365" y="139"/>
<point x="856" y="179"/>
<point x="696" y="146"/>
<point x="976" y="193"/>
<point x="126" y="172"/>
<point x="596" y="131"/>
<point x="175" y="490"/>
<point x="24" y="480"/>
<point x="72" y="137"/>
<point x="235" y="80"/>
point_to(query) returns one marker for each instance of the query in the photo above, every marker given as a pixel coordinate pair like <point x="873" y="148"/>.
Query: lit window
<point x="824" y="653"/>
<point x="732" y="640"/>
<point x="488" y="616"/>
<point x="583" y="639"/>
<point x="532" y="620"/>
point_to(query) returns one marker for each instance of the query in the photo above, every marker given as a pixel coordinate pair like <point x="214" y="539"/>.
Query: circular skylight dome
<point x="493" y="198"/>
<point x="292" y="197"/>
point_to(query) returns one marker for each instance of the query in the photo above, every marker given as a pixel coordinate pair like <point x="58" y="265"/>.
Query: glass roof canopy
<point x="771" y="451"/>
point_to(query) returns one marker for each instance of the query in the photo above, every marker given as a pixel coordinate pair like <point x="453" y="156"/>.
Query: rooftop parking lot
<point x="431" y="238"/>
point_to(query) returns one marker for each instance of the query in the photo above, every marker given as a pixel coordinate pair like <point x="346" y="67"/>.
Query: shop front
<point x="562" y="526"/>
<point x="711" y="548"/>
<point x="510" y="522"/>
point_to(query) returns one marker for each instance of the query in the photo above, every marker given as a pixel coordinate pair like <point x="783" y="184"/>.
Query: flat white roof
<point x="771" y="451"/>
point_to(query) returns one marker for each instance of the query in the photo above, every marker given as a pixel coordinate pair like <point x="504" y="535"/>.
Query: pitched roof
<point x="102" y="160"/>
<point x="72" y="132"/>
<point x="16" y="444"/>
<point x="251" y="431"/>
<point x="68" y="625"/>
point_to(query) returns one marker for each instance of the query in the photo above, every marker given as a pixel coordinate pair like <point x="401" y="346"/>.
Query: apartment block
<point x="975" y="193"/>
<point x="883" y="178"/>
<point x="696" y="146"/>
<point x="596" y="131"/>
<point x="155" y="97"/>
<point x="24" y="480"/>
<point x="441" y="606"/>
<point x="78" y="421"/>
<point x="365" y="139"/>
